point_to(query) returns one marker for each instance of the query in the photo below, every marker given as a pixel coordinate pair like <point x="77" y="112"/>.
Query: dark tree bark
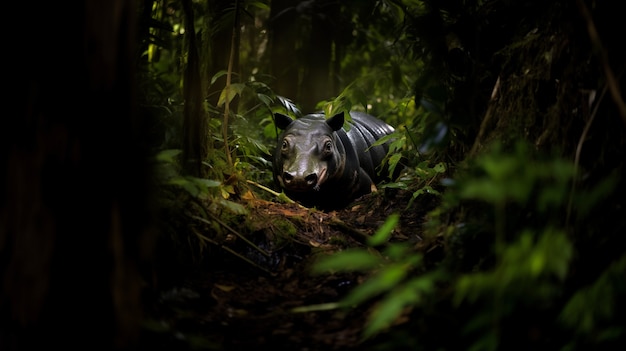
<point x="317" y="84"/>
<point x="301" y="39"/>
<point x="73" y="191"/>
<point x="195" y="128"/>
<point x="283" y="38"/>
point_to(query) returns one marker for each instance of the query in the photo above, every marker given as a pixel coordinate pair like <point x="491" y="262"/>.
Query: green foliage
<point x="393" y="279"/>
<point x="515" y="260"/>
<point x="523" y="199"/>
<point x="201" y="189"/>
<point x="590" y="312"/>
<point x="421" y="174"/>
<point x="197" y="200"/>
<point x="514" y="176"/>
<point x="422" y="180"/>
<point x="530" y="270"/>
<point x="524" y="259"/>
<point x="349" y="260"/>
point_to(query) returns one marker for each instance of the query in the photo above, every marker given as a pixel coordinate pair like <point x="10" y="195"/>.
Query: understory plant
<point x="511" y="264"/>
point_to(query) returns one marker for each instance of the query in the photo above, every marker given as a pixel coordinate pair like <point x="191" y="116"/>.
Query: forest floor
<point x="241" y="299"/>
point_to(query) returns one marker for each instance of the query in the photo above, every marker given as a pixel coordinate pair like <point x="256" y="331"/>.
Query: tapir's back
<point x="364" y="131"/>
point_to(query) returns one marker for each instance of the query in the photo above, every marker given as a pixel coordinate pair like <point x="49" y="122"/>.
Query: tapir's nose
<point x="300" y="181"/>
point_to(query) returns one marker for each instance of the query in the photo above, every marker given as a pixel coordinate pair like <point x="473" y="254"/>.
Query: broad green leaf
<point x="217" y="75"/>
<point x="229" y="93"/>
<point x="185" y="184"/>
<point x="484" y="189"/>
<point x="393" y="162"/>
<point x="233" y="207"/>
<point x="439" y="167"/>
<point x="347" y="261"/>
<point x="384" y="280"/>
<point x="412" y="293"/>
<point x="396" y="185"/>
<point x="259" y="4"/>
<point x="168" y="156"/>
<point x="383" y="233"/>
<point x="388" y="310"/>
<point x="209" y="183"/>
<point x="399" y="252"/>
<point x="265" y="99"/>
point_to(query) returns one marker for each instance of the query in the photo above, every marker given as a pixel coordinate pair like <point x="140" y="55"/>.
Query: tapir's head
<point x="308" y="153"/>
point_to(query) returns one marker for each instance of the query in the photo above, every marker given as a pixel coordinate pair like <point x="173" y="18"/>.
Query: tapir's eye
<point x="285" y="145"/>
<point x="328" y="146"/>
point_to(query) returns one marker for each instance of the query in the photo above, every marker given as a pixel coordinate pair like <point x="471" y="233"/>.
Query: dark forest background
<point x="509" y="114"/>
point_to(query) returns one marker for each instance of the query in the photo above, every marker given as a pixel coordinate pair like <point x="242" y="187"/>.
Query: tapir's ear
<point x="282" y="121"/>
<point x="335" y="122"/>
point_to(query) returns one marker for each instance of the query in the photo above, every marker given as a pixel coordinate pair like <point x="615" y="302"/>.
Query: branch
<point x="229" y="74"/>
<point x="579" y="148"/>
<point x="608" y="72"/>
<point x="486" y="119"/>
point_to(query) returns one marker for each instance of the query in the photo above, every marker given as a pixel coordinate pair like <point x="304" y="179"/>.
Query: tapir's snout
<point x="295" y="181"/>
<point x="303" y="181"/>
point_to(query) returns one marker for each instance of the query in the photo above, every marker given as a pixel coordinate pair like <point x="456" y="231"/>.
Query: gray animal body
<point x="320" y="164"/>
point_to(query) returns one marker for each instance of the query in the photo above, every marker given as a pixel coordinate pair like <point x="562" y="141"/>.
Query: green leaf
<point x="391" y="307"/>
<point x="387" y="311"/>
<point x="439" y="167"/>
<point x="208" y="183"/>
<point x="259" y="4"/>
<point x="396" y="144"/>
<point x="382" y="281"/>
<point x="396" y="185"/>
<point x="168" y="156"/>
<point x="185" y="184"/>
<point x="383" y="233"/>
<point x="484" y="189"/>
<point x="229" y="93"/>
<point x="233" y="207"/>
<point x="347" y="261"/>
<point x="217" y="75"/>
<point x="393" y="162"/>
<point x="265" y="99"/>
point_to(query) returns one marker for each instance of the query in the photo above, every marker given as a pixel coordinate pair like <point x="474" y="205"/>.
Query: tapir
<point x="320" y="163"/>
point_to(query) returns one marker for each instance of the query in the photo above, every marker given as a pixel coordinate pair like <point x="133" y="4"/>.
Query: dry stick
<point x="229" y="73"/>
<point x="579" y="148"/>
<point x="230" y="230"/>
<point x="263" y="187"/>
<point x="277" y="194"/>
<point x="611" y="85"/>
<point x="231" y="251"/>
<point x="353" y="232"/>
<point x="608" y="72"/>
<point x="487" y="119"/>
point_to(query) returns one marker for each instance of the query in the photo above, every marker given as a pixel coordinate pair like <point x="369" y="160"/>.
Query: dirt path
<point x="239" y="303"/>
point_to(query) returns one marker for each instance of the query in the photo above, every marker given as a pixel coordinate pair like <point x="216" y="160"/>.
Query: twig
<point x="316" y="308"/>
<point x="230" y="230"/>
<point x="280" y="196"/>
<point x="229" y="74"/>
<point x="608" y="72"/>
<point x="487" y="119"/>
<point x="353" y="232"/>
<point x="231" y="251"/>
<point x="579" y="148"/>
<point x="262" y="187"/>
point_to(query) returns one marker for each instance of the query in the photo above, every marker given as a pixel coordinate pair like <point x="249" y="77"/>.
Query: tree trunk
<point x="195" y="128"/>
<point x="283" y="37"/>
<point x="317" y="84"/>
<point x="73" y="196"/>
